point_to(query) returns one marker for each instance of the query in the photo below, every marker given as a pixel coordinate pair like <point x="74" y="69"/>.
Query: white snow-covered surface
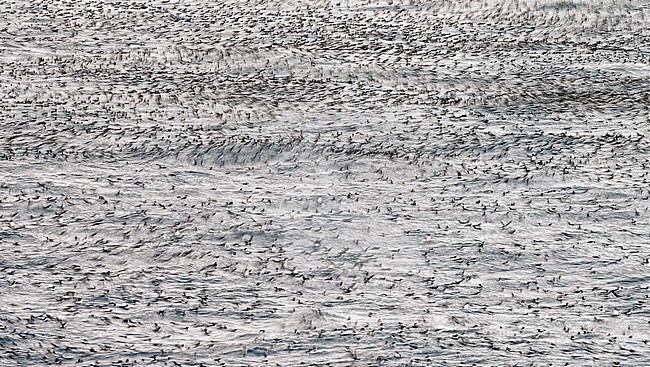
<point x="324" y="183"/>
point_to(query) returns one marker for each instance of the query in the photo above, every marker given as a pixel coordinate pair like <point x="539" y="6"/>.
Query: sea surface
<point x="325" y="183"/>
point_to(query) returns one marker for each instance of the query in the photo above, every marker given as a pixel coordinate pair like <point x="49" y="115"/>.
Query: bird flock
<point x="324" y="183"/>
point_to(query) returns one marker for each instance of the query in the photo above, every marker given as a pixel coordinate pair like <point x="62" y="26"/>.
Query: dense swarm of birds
<point x="195" y="183"/>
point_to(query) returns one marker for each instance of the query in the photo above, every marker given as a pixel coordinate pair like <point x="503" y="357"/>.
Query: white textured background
<point x="328" y="183"/>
